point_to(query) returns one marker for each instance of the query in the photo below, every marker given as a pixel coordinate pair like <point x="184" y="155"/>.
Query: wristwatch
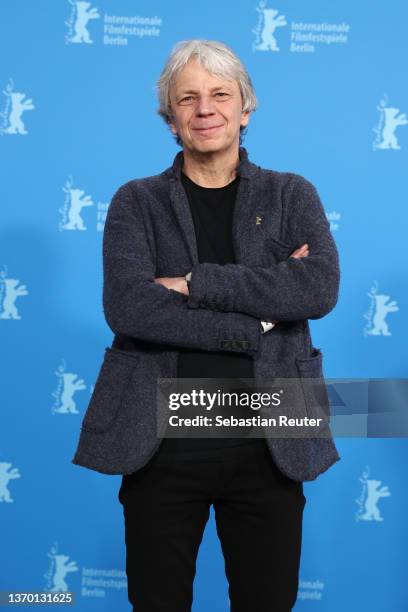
<point x="266" y="326"/>
<point x="188" y="279"/>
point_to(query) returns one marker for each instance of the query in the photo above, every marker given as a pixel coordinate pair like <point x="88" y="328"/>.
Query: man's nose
<point x="204" y="106"/>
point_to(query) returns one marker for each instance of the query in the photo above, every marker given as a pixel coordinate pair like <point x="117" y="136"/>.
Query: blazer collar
<point x="245" y="168"/>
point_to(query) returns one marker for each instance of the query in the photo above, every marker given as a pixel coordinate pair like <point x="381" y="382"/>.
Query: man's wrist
<point x="265" y="325"/>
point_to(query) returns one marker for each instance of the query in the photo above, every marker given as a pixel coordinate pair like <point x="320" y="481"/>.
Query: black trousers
<point x="258" y="513"/>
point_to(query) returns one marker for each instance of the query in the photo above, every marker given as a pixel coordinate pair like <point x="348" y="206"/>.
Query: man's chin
<point x="209" y="145"/>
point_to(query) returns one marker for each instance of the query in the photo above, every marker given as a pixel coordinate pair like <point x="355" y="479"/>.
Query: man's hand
<point x="302" y="251"/>
<point x="179" y="283"/>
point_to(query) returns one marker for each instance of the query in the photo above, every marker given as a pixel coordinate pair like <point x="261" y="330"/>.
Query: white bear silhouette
<point x="5" y="476"/>
<point x="61" y="570"/>
<point x="270" y="22"/>
<point x="11" y="294"/>
<point x="18" y="106"/>
<point x="70" y="386"/>
<point x="77" y="203"/>
<point x="83" y="15"/>
<point x="372" y="511"/>
<point x="392" y="121"/>
<point x="381" y="310"/>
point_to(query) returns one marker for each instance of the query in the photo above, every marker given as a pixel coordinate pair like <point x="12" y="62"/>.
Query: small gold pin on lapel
<point x="258" y="220"/>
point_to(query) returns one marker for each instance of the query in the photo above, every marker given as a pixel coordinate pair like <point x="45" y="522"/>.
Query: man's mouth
<point x="207" y="129"/>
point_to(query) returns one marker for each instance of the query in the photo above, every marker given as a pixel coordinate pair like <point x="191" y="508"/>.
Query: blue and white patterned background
<point x="78" y="119"/>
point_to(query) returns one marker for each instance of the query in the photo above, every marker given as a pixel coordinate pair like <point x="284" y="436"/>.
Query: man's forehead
<point x="191" y="79"/>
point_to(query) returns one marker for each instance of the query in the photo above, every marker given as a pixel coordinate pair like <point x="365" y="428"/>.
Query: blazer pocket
<point x="280" y="250"/>
<point x="111" y="385"/>
<point x="314" y="391"/>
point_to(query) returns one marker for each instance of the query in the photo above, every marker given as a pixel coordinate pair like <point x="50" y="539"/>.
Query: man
<point x="211" y="270"/>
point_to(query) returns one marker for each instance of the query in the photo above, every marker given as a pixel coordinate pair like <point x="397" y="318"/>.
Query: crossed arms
<point x="223" y="299"/>
<point x="179" y="283"/>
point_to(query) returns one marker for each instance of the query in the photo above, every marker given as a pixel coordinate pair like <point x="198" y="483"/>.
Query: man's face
<point x="206" y="110"/>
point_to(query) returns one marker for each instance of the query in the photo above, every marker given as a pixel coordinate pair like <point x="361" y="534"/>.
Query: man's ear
<point x="245" y="118"/>
<point x="170" y="121"/>
<point x="173" y="128"/>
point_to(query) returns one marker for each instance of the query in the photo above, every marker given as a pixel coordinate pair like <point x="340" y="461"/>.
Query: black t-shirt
<point x="212" y="211"/>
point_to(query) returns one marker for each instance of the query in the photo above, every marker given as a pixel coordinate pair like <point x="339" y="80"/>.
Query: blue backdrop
<point x="77" y="120"/>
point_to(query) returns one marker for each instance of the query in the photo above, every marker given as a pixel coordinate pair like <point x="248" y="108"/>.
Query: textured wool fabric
<point x="149" y="232"/>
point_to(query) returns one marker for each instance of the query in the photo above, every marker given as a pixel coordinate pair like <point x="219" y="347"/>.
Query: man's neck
<point x="211" y="169"/>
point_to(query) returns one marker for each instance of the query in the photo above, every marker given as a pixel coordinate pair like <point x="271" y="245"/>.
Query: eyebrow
<point x="184" y="91"/>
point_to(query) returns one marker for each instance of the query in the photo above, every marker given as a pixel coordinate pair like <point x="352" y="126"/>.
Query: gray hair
<point x="218" y="59"/>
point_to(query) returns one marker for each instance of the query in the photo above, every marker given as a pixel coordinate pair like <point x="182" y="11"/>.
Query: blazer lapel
<point x="181" y="207"/>
<point x="245" y="231"/>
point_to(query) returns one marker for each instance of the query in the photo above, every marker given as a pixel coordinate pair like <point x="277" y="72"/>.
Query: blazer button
<point x="225" y="343"/>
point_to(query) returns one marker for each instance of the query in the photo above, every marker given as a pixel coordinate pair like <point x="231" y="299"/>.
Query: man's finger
<point x="298" y="254"/>
<point x="303" y="248"/>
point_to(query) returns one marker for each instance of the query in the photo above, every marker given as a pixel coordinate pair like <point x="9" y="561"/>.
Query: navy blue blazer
<point x="149" y="232"/>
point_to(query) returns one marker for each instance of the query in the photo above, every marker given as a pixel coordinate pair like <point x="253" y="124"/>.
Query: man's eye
<point x="218" y="93"/>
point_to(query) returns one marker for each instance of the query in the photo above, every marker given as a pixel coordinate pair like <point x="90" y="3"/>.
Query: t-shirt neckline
<point x="200" y="187"/>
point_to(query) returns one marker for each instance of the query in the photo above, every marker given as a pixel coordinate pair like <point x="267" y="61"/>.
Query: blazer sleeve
<point x="135" y="305"/>
<point x="305" y="288"/>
